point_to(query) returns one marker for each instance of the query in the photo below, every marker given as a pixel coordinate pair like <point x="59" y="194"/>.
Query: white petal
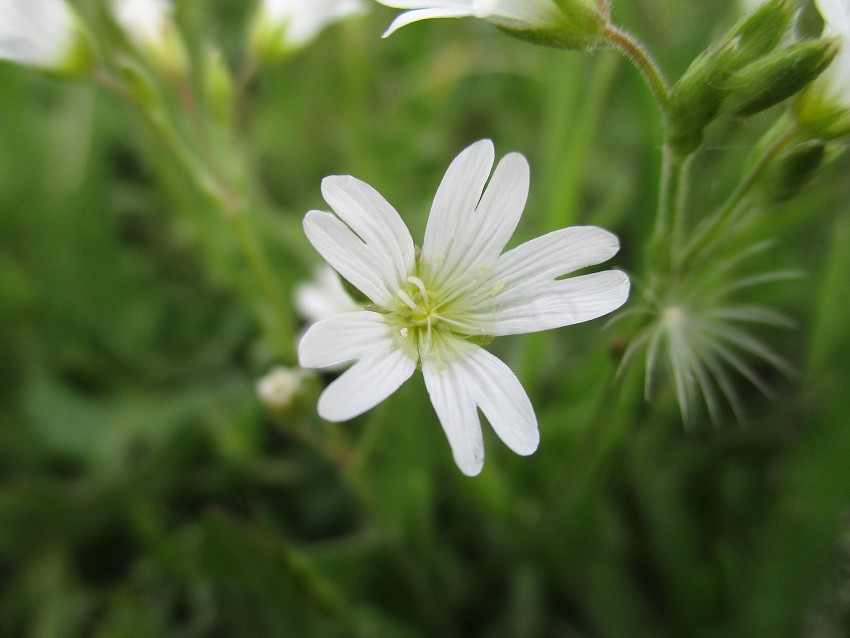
<point x="366" y="269"/>
<point x="555" y="254"/>
<point x="467" y="230"/>
<point x="458" y="415"/>
<point x="473" y="377"/>
<point x="36" y="32"/>
<point x="456" y="199"/>
<point x="482" y="234"/>
<point x="425" y="4"/>
<point x="503" y="401"/>
<point x="348" y="336"/>
<point x="409" y="17"/>
<point x="559" y="303"/>
<point x="323" y="296"/>
<point x="836" y="14"/>
<point x="381" y="368"/>
<point x="365" y="384"/>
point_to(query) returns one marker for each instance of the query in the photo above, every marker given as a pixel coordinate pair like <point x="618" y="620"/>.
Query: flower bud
<point x="280" y="387"/>
<point x="757" y="34"/>
<point x="566" y="24"/>
<point x="45" y="34"/>
<point x="696" y="99"/>
<point x="778" y="76"/>
<point x="823" y="109"/>
<point x="282" y="26"/>
<point x="150" y="27"/>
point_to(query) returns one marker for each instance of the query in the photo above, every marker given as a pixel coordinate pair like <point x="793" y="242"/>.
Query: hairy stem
<point x="643" y="61"/>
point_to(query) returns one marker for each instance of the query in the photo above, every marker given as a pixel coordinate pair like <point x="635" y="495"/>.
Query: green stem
<point x="641" y="58"/>
<point x="716" y="223"/>
<point x="232" y="206"/>
<point x="281" y="326"/>
<point x="669" y="217"/>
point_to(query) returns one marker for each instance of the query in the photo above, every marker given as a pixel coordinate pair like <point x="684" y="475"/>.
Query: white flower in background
<point x="824" y="106"/>
<point x="282" y="26"/>
<point x="431" y="308"/>
<point x="149" y="24"/>
<point x="563" y="23"/>
<point x="323" y="296"/>
<point x="45" y="34"/>
<point x="279" y="388"/>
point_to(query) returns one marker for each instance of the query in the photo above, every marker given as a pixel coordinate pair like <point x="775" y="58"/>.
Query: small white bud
<point x="279" y="388"/>
<point x="149" y="24"/>
<point x="282" y="26"/>
<point x="45" y="34"/>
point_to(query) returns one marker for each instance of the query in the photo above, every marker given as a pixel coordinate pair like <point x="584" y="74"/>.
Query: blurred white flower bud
<point x="45" y="34"/>
<point x="281" y="26"/>
<point x="279" y="388"/>
<point x="323" y="296"/>
<point x="149" y="24"/>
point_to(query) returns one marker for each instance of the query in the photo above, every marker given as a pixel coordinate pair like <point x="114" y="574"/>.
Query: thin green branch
<point x="718" y="222"/>
<point x="643" y="61"/>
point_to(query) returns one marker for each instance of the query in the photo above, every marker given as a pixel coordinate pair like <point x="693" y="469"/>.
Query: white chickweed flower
<point x="562" y="23"/>
<point x="45" y="34"/>
<point x="824" y="107"/>
<point x="281" y="26"/>
<point x="431" y="308"/>
<point x="149" y="24"/>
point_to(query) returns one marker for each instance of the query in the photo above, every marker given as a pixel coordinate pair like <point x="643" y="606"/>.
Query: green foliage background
<point x="145" y="491"/>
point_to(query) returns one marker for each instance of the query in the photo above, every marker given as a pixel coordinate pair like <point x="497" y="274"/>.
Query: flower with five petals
<point x="431" y="308"/>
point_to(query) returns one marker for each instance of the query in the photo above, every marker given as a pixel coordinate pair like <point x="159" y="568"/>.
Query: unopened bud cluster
<point x="747" y="71"/>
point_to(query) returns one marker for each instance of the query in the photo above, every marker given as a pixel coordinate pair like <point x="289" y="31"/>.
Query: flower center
<point x="418" y="318"/>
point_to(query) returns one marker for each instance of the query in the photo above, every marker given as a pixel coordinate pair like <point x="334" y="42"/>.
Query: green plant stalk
<point x="669" y="218"/>
<point x="643" y="61"/>
<point x="280" y="327"/>
<point x="719" y="220"/>
<point x="568" y="166"/>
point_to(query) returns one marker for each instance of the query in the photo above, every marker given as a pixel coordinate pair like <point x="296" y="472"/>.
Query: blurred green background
<point x="145" y="491"/>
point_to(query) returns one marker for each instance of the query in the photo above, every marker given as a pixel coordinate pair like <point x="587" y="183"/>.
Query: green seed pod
<point x="778" y="76"/>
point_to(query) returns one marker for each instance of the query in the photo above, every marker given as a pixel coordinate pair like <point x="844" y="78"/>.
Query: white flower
<point x="824" y="107"/>
<point x="323" y="296"/>
<point x="285" y="25"/>
<point x="150" y="26"/>
<point x="431" y="308"/>
<point x="565" y="23"/>
<point x="280" y="386"/>
<point x="45" y="34"/>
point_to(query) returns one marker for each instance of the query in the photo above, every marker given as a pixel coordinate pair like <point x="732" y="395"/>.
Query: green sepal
<point x="696" y="99"/>
<point x="778" y="76"/>
<point x="574" y="24"/>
